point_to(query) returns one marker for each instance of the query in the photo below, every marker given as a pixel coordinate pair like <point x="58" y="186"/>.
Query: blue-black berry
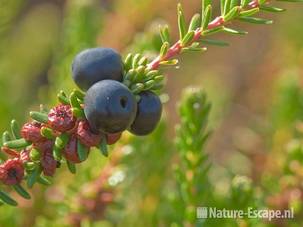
<point x="148" y="114"/>
<point x="109" y="107"/>
<point x="96" y="64"/>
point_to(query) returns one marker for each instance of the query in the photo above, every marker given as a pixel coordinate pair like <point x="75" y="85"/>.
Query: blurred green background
<point x="254" y="87"/>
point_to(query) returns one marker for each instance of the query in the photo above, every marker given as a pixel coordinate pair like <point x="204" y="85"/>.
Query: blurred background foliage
<point x="254" y="86"/>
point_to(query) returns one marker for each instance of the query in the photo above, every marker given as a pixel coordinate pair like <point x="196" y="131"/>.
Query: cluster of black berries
<point x="109" y="105"/>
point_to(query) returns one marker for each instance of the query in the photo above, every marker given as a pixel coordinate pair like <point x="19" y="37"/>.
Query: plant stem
<point x="176" y="49"/>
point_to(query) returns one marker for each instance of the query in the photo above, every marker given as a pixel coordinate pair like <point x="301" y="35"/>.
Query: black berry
<point x="109" y="107"/>
<point x="148" y="114"/>
<point x="96" y="64"/>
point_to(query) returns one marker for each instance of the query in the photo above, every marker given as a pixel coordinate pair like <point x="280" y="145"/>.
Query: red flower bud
<point x="113" y="138"/>
<point x="31" y="132"/>
<point x="70" y="151"/>
<point x="86" y="136"/>
<point x="11" y="171"/>
<point x="60" y="118"/>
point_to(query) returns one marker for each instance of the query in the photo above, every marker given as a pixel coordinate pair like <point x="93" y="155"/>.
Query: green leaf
<point x="226" y="7"/>
<point x="74" y="100"/>
<point x="250" y="12"/>
<point x="232" y="14"/>
<point x="128" y="62"/>
<point x="71" y="167"/>
<point x="61" y="140"/>
<point x="233" y="31"/>
<point x="164" y="34"/>
<point x="234" y="3"/>
<point x="255" y="20"/>
<point x="212" y="31"/>
<point x="181" y="22"/>
<point x="7" y="199"/>
<point x="214" y="42"/>
<point x="16" y="144"/>
<point x="80" y="95"/>
<point x="32" y="177"/>
<point x="78" y="112"/>
<point x="164" y="49"/>
<point x="103" y="147"/>
<point x="143" y="61"/>
<point x="21" y="191"/>
<point x="206" y="17"/>
<point x="82" y="151"/>
<point x="38" y="116"/>
<point x="43" y="180"/>
<point x="34" y="154"/>
<point x="169" y="62"/>
<point x="62" y="98"/>
<point x="195" y="49"/>
<point x="195" y="22"/>
<point x="136" y="59"/>
<point x="47" y="133"/>
<point x="244" y="3"/>
<point x="57" y="153"/>
<point x="188" y="38"/>
<point x="6" y="137"/>
<point x="271" y="9"/>
<point x="137" y="88"/>
<point x="15" y="129"/>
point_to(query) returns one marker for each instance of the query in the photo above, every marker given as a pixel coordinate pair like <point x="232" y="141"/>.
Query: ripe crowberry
<point x="148" y="114"/>
<point x="109" y="107"/>
<point x="86" y="136"/>
<point x="113" y="138"/>
<point x="31" y="132"/>
<point x="70" y="150"/>
<point x="11" y="171"/>
<point x="60" y="118"/>
<point x="96" y="64"/>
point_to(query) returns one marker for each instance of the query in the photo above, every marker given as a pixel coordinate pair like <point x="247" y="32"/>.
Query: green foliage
<point x="192" y="169"/>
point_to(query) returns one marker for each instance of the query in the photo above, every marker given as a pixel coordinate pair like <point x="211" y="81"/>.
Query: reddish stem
<point x="175" y="49"/>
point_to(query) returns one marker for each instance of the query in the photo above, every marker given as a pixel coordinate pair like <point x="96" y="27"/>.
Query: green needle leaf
<point x="71" y="167"/>
<point x="164" y="49"/>
<point x="233" y="31"/>
<point x="38" y="116"/>
<point x="103" y="147"/>
<point x="35" y="155"/>
<point x="61" y="140"/>
<point x="80" y="95"/>
<point x="32" y="177"/>
<point x="6" y="137"/>
<point x="21" y="191"/>
<point x="7" y="199"/>
<point x="271" y="9"/>
<point x="74" y="100"/>
<point x="15" y="129"/>
<point x="47" y="133"/>
<point x="249" y="12"/>
<point x="16" y="144"/>
<point x="62" y="98"/>
<point x="77" y="112"/>
<point x="164" y="34"/>
<point x="188" y="38"/>
<point x="255" y="20"/>
<point x="206" y="17"/>
<point x="43" y="180"/>
<point x="181" y="22"/>
<point x="82" y="151"/>
<point x="195" y="22"/>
